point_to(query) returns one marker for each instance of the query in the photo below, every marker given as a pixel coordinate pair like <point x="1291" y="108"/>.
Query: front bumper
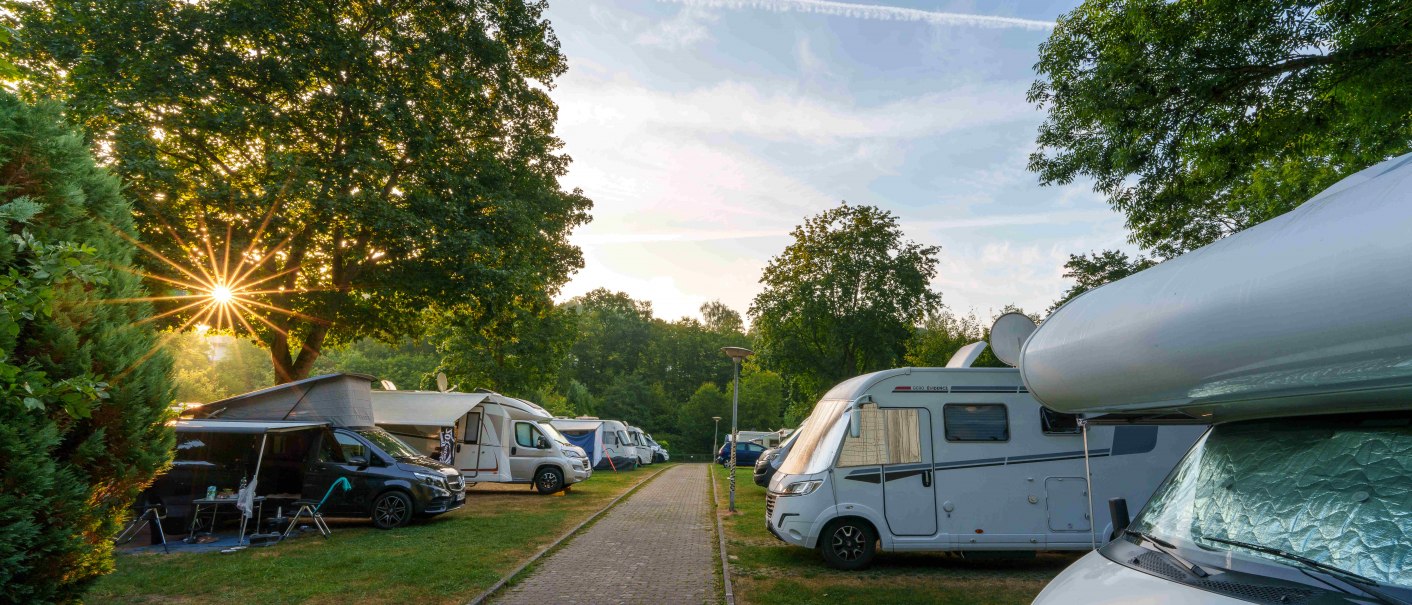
<point x="580" y="470"/>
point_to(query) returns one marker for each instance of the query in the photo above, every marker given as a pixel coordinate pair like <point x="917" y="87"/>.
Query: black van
<point x="301" y="460"/>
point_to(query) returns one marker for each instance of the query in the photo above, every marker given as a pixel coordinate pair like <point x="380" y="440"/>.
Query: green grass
<point x="448" y="559"/>
<point x="766" y="571"/>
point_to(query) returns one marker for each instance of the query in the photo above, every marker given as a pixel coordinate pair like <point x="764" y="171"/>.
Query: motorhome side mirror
<point x="1118" y="512"/>
<point x="542" y="443"/>
<point x="855" y="422"/>
<point x="358" y="461"/>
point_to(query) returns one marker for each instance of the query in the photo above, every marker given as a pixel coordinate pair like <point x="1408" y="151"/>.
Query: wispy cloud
<point x="875" y="12"/>
<point x="681" y="31"/>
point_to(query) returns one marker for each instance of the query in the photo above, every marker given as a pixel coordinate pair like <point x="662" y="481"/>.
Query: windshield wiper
<point x="1366" y="584"/>
<point x="1169" y="550"/>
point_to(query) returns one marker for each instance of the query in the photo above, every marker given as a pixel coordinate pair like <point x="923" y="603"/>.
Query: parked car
<point x="745" y="454"/>
<point x="301" y="461"/>
<point x="771" y="460"/>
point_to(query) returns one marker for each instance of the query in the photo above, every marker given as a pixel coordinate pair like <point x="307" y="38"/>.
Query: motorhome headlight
<point x="801" y="488"/>
<point x="432" y="480"/>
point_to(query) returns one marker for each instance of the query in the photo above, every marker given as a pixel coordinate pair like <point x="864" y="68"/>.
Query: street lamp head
<point x="737" y="353"/>
<point x="716" y="418"/>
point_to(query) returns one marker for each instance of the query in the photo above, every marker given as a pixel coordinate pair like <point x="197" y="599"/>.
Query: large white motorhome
<point x="1294" y="338"/>
<point x="488" y="436"/>
<point x="955" y="459"/>
<point x="605" y="443"/>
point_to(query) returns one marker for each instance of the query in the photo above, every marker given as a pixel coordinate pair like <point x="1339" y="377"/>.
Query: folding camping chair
<point x="151" y="514"/>
<point x="311" y="508"/>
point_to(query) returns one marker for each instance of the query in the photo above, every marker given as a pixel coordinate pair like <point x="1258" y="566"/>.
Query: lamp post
<point x="737" y="354"/>
<point x="714" y="432"/>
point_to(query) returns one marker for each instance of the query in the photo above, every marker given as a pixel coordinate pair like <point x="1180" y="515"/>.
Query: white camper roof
<point x="1306" y="313"/>
<point x="566" y="424"/>
<point x="424" y="408"/>
<point x="519" y="407"/>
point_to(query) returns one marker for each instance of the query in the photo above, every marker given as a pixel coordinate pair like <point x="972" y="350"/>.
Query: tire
<point x="392" y="510"/>
<point x="548" y="480"/>
<point x="849" y="544"/>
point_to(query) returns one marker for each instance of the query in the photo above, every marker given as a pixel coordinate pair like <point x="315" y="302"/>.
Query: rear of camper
<point x="1295" y="339"/>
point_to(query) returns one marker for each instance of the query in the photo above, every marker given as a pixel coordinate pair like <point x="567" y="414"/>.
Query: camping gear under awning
<point x="1305" y="313"/>
<point x="423" y="408"/>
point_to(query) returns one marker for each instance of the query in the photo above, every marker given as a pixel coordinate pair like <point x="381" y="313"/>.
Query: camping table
<point x="214" y="505"/>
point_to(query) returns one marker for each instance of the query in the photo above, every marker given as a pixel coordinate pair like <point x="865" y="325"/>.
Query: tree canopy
<point x="1092" y="270"/>
<point x="1199" y="119"/>
<point x="842" y="298"/>
<point x="339" y="166"/>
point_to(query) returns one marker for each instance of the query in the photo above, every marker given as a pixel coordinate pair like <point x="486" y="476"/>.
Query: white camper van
<point x="1294" y="338"/>
<point x="955" y="459"/>
<point x="644" y="449"/>
<point x="488" y="436"/>
<point x="607" y="447"/>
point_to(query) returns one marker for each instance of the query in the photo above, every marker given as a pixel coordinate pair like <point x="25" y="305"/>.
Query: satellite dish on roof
<point x="387" y="385"/>
<point x="441" y="381"/>
<point x="1008" y="334"/>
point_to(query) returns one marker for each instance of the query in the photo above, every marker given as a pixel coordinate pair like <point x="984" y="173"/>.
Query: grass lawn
<point x="766" y="571"/>
<point x="448" y="559"/>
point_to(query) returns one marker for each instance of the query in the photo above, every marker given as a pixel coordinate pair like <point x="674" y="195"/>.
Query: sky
<point x="704" y="131"/>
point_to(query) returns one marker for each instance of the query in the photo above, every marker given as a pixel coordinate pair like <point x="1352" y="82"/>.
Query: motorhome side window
<point x="472" y="428"/>
<point x="1058" y="423"/>
<point x="890" y="436"/>
<point x="525" y="434"/>
<point x="976" y="422"/>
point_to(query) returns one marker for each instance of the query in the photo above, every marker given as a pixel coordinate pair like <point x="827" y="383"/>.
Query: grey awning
<point x="243" y="427"/>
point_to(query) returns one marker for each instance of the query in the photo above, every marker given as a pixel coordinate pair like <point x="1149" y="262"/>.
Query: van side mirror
<point x="542" y="443"/>
<point x="358" y="461"/>
<point x="855" y="421"/>
<point x="1118" y="513"/>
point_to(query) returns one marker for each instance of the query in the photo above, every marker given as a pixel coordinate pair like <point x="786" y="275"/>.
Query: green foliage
<point x="409" y="364"/>
<point x="762" y="395"/>
<point x="210" y="367"/>
<point x="373" y="158"/>
<point x="1098" y="268"/>
<point x="1199" y="119"/>
<point x="719" y="318"/>
<point x="614" y="332"/>
<point x="519" y="350"/>
<point x="841" y="299"/>
<point x="944" y="333"/>
<point x="83" y="391"/>
<point x="694" y="424"/>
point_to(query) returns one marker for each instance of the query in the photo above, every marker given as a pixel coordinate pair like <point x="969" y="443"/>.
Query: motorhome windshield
<point x="554" y="433"/>
<point x="1335" y="490"/>
<point x="816" y="441"/>
<point x="390" y="444"/>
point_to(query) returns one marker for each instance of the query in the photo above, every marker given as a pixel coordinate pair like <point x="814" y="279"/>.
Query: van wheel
<point x="548" y="480"/>
<point x="848" y="544"/>
<point x="392" y="510"/>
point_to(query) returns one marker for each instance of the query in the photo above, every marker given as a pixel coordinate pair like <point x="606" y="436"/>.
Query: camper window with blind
<point x="976" y="422"/>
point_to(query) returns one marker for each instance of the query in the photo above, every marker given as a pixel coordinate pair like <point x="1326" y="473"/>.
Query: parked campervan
<point x="659" y="453"/>
<point x="955" y="459"/>
<point x="619" y="432"/>
<point x="488" y="436"/>
<point x="639" y="442"/>
<point x="606" y="449"/>
<point x="1294" y="338"/>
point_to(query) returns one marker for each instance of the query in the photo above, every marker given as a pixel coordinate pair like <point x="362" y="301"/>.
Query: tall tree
<point x="614" y="334"/>
<point x="1198" y="119"/>
<point x="717" y="317"/>
<point x="84" y="387"/>
<point x="519" y="350"/>
<point x="1097" y="268"/>
<point x="841" y="299"/>
<point x="694" y="425"/>
<point x="337" y="166"/>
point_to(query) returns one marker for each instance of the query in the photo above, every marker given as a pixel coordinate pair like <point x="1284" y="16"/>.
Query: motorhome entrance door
<point x="908" y="493"/>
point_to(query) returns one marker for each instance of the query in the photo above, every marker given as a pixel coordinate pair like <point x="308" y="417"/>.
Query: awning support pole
<point x="259" y="461"/>
<point x="1088" y="486"/>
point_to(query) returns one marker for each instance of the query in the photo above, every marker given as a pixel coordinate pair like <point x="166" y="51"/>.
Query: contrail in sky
<point x="873" y="12"/>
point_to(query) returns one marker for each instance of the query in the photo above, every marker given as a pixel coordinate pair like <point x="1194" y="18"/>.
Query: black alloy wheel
<point x="548" y="480"/>
<point x="392" y="510"/>
<point x="849" y="545"/>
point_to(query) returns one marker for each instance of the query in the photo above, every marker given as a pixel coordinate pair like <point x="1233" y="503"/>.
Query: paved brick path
<point x="657" y="546"/>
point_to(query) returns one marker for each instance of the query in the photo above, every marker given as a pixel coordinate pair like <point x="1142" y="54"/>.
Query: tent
<point x="587" y="434"/>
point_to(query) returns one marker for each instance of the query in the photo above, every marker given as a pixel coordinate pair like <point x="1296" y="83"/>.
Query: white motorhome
<point x="955" y="459"/>
<point x="606" y="446"/>
<point x="645" y="453"/>
<point x="488" y="436"/>
<point x="1294" y="338"/>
